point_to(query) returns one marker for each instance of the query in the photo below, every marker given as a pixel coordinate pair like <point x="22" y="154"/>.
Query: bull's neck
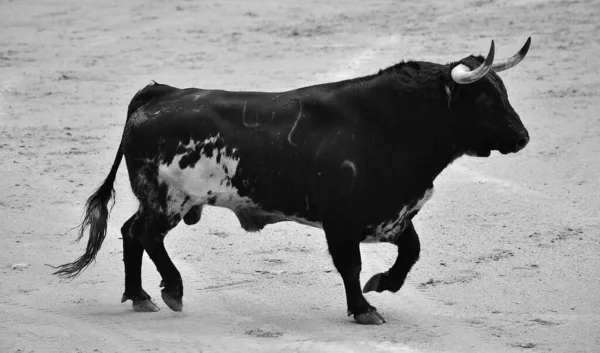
<point x="412" y="118"/>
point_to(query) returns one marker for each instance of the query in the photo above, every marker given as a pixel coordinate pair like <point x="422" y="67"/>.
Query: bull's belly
<point x="208" y="181"/>
<point x="390" y="230"/>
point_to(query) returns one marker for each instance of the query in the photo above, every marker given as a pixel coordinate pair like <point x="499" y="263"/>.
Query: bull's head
<point x="479" y="104"/>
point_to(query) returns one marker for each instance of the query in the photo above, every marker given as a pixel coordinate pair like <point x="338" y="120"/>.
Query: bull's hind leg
<point x="150" y="228"/>
<point x="409" y="248"/>
<point x="132" y="259"/>
<point x="172" y="284"/>
<point x="161" y="208"/>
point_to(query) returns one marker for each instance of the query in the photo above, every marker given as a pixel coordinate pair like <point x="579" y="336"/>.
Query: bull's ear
<point x="452" y="93"/>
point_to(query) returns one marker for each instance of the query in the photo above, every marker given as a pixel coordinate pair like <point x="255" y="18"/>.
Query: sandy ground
<point x="510" y="243"/>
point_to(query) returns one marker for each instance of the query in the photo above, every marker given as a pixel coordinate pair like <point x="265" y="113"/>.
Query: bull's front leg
<point x="343" y="241"/>
<point x="409" y="248"/>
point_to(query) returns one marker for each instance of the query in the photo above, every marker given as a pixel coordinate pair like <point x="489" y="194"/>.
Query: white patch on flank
<point x="388" y="230"/>
<point x="206" y="179"/>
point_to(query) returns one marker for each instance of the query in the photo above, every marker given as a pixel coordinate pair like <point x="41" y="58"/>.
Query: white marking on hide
<point x="197" y="110"/>
<point x="388" y="230"/>
<point x="199" y="95"/>
<point x="160" y="110"/>
<point x="277" y="216"/>
<point x="206" y="179"/>
<point x="244" y="112"/>
<point x="426" y="196"/>
<point x="351" y="165"/>
<point x="137" y="117"/>
<point x="295" y="124"/>
<point x="448" y="95"/>
<point x="253" y="125"/>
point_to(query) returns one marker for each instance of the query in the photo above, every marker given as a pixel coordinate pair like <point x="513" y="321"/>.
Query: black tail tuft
<point x="95" y="218"/>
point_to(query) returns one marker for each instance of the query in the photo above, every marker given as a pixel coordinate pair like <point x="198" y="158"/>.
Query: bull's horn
<point x="514" y="60"/>
<point x="462" y="73"/>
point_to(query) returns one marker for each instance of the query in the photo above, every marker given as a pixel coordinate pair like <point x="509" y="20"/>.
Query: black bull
<point x="356" y="158"/>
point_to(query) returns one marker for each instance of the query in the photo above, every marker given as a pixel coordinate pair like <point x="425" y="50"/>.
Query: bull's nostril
<point x="521" y="143"/>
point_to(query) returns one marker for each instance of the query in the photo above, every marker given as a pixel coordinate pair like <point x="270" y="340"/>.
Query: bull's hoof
<point x="145" y="306"/>
<point x="193" y="215"/>
<point x="375" y="283"/>
<point x="142" y="302"/>
<point x="381" y="282"/>
<point x="172" y="295"/>
<point x="174" y="303"/>
<point x="369" y="318"/>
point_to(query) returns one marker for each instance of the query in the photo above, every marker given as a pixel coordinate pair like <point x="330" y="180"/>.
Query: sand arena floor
<point x="510" y="243"/>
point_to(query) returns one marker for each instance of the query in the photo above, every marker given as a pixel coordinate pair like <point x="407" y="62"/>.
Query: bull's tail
<point x="95" y="218"/>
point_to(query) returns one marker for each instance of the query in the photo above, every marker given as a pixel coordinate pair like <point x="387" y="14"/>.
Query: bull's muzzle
<point x="519" y="143"/>
<point x="522" y="142"/>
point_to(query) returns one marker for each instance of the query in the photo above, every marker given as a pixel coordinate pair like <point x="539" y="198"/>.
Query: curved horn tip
<point x="525" y="48"/>
<point x="489" y="59"/>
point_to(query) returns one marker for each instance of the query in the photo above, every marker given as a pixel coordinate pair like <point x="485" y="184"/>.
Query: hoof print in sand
<point x="263" y="334"/>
